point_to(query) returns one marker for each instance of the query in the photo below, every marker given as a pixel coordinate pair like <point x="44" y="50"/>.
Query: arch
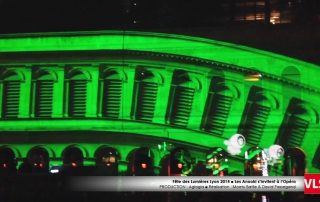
<point x="112" y="85"/>
<point x="313" y="115"/>
<point x="261" y="97"/>
<point x="145" y="151"/>
<point x="131" y="154"/>
<point x="295" y="162"/>
<point x="292" y="73"/>
<point x="15" y="150"/>
<point x="216" y="72"/>
<point x="290" y="70"/>
<point x="13" y="74"/>
<point x="85" y="153"/>
<point x="103" y="148"/>
<point x="79" y="73"/>
<point x="141" y="161"/>
<point x="183" y="78"/>
<point x="113" y="72"/>
<point x="226" y="87"/>
<point x="235" y="91"/>
<point x="46" y="148"/>
<point x="295" y="151"/>
<point x="7" y="153"/>
<point x="45" y="74"/>
<point x="144" y="75"/>
<point x="159" y="77"/>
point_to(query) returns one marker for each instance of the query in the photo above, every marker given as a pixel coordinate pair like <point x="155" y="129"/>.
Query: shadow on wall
<point x="295" y="123"/>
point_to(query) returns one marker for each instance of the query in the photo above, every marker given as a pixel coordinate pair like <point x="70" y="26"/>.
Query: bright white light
<point x="235" y="143"/>
<point x="54" y="171"/>
<point x="276" y="152"/>
<point x="265" y="164"/>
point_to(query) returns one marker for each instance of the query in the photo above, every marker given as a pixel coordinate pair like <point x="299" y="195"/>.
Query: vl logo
<point x="312" y="184"/>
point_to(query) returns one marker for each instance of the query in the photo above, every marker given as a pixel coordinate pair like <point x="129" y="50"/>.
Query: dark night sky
<point x="72" y="15"/>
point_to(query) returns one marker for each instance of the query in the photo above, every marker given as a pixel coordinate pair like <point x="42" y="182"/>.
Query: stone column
<point x="92" y="92"/>
<point x="199" y="104"/>
<point x="58" y="108"/>
<point x="163" y="98"/>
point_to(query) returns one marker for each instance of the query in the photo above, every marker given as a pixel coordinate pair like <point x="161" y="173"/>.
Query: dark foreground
<point x="50" y="187"/>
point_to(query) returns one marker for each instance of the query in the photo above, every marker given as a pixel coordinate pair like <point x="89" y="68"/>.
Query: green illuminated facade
<point x="133" y="89"/>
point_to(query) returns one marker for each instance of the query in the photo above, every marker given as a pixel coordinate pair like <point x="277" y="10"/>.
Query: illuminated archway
<point x="15" y="151"/>
<point x="44" y="149"/>
<point x="106" y="153"/>
<point x="74" y="155"/>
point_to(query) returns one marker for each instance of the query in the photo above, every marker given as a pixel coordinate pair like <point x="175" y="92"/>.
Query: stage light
<point x="108" y="164"/>
<point x="180" y="165"/>
<point x="235" y="143"/>
<point x="217" y="162"/>
<point x="253" y="77"/>
<point x="74" y="165"/>
<point x="256" y="163"/>
<point x="4" y="165"/>
<point x="144" y="166"/>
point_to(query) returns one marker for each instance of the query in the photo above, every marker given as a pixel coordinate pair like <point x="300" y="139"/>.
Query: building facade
<point x="125" y="90"/>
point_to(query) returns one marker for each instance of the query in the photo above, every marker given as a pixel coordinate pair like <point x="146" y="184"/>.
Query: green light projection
<point x="192" y="90"/>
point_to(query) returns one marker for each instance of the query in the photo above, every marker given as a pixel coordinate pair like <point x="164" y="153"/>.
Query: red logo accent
<point x="311" y="183"/>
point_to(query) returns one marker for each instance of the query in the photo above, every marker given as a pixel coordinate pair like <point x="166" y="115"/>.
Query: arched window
<point x="11" y="96"/>
<point x="78" y="95"/>
<point x="294" y="127"/>
<point x="291" y="73"/>
<point x="39" y="158"/>
<point x="106" y="154"/>
<point x="146" y="88"/>
<point x="256" y="120"/>
<point x="44" y="96"/>
<point x="141" y="162"/>
<point x="112" y="92"/>
<point x="255" y="116"/>
<point x="218" y="107"/>
<point x="73" y="156"/>
<point x="7" y="159"/>
<point x="181" y="98"/>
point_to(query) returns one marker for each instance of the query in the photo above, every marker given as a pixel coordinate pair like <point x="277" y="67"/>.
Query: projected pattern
<point x="85" y="90"/>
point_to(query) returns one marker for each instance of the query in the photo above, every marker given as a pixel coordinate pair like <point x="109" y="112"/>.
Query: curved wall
<point x="173" y="88"/>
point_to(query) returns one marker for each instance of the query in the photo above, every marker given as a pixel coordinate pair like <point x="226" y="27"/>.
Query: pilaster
<point x="199" y="104"/>
<point x="58" y="108"/>
<point x="127" y="93"/>
<point x="162" y="101"/>
<point x="25" y="92"/>
<point x="92" y="92"/>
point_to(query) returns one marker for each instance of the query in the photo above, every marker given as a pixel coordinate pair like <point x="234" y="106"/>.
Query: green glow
<point x="195" y="92"/>
<point x="154" y="42"/>
<point x="253" y="154"/>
